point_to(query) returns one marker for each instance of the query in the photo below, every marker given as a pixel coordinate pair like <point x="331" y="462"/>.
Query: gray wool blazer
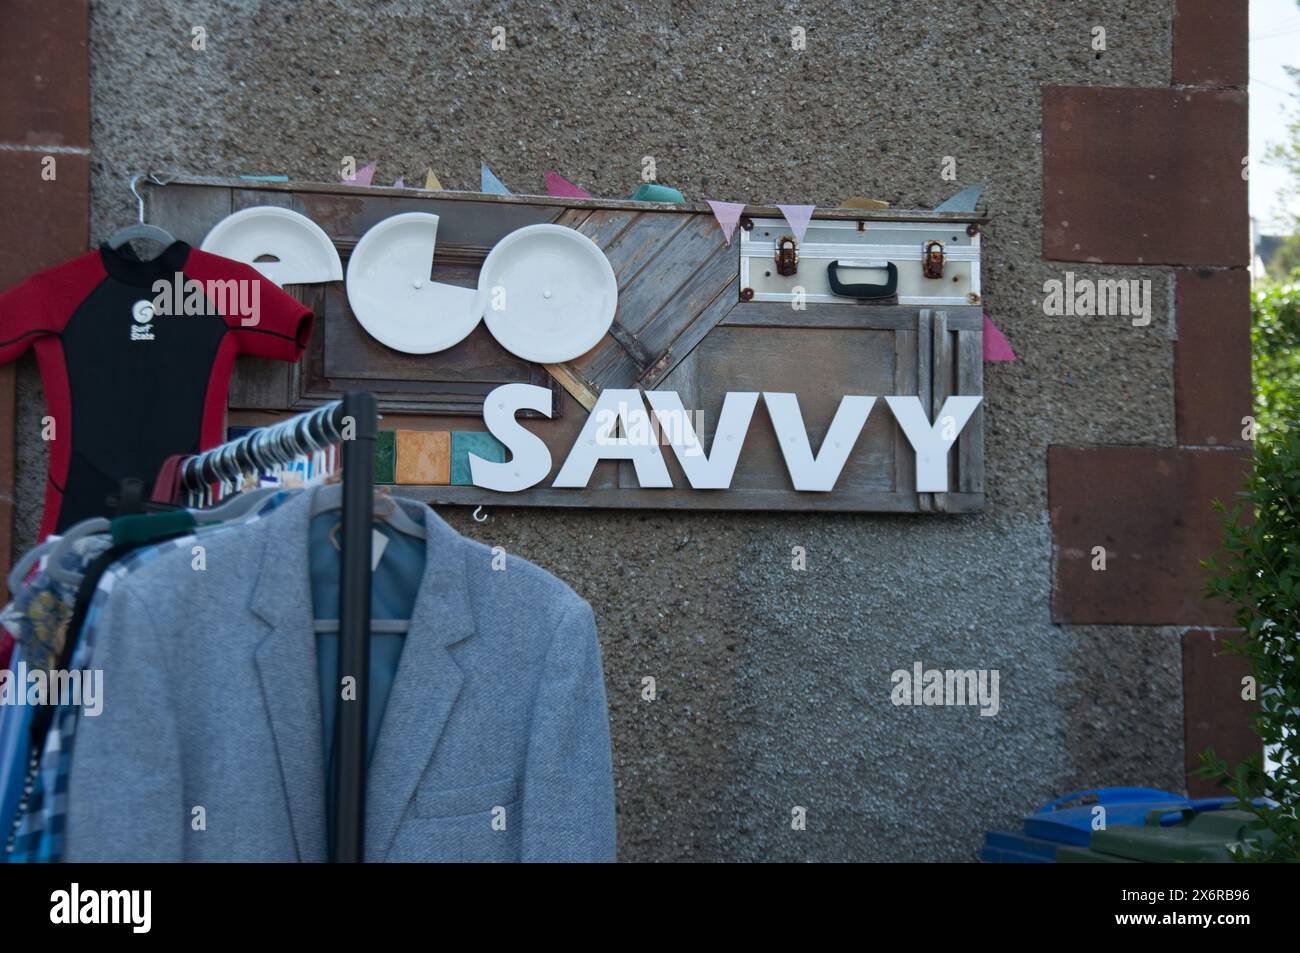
<point x="494" y="745"/>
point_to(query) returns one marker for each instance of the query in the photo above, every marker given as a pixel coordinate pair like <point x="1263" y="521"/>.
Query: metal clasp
<point x="932" y="260"/>
<point x="787" y="256"/>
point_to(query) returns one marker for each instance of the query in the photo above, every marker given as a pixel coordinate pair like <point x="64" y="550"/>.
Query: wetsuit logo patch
<point x="142" y="312"/>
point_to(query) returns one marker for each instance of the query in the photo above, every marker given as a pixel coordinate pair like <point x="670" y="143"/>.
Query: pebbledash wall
<point x="774" y="684"/>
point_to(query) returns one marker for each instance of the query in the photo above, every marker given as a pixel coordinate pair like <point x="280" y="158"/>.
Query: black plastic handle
<point x="887" y="290"/>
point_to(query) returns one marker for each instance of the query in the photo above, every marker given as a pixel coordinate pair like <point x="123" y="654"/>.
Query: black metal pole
<point x="358" y="421"/>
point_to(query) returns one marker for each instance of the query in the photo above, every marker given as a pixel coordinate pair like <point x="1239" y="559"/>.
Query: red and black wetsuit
<point x="127" y="388"/>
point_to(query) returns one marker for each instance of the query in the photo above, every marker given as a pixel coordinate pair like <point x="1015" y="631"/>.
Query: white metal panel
<point x="902" y="243"/>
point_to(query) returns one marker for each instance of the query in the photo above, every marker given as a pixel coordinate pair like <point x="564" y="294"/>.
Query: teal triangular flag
<point x="490" y="183"/>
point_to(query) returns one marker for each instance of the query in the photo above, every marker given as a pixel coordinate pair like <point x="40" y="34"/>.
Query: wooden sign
<point x="682" y="325"/>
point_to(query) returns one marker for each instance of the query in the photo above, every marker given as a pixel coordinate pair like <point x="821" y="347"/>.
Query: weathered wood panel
<point x="779" y="501"/>
<point x="970" y="380"/>
<point x="680" y="325"/>
<point x="671" y="270"/>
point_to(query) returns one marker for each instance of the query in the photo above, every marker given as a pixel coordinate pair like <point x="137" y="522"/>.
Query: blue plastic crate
<point x="1073" y="825"/>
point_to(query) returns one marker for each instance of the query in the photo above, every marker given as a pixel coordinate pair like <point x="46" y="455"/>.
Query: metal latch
<point x="787" y="256"/>
<point x="932" y="259"/>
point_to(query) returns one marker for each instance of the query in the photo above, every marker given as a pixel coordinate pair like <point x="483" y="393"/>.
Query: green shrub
<point x="1275" y="340"/>
<point x="1259" y="573"/>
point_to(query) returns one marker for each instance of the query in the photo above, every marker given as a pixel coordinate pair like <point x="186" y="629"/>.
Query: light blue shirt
<point x="15" y="752"/>
<point x="393" y="588"/>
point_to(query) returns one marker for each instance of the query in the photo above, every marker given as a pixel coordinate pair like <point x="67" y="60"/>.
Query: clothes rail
<point x="349" y="779"/>
<point x="351" y="423"/>
<point x="264" y="449"/>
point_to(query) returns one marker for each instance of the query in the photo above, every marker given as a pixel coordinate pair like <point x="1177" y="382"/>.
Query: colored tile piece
<point x="386" y="456"/>
<point x="423" y="457"/>
<point x="478" y="442"/>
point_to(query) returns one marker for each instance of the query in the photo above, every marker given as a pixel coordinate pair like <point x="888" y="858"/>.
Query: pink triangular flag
<point x="727" y="214"/>
<point x="560" y="187"/>
<point x="797" y="216"/>
<point x="399" y="182"/>
<point x="996" y="346"/>
<point x="362" y="176"/>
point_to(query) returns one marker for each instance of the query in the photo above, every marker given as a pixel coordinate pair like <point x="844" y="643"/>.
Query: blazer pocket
<point x="459" y="802"/>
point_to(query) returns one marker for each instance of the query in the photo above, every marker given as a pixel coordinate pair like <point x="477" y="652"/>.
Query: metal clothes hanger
<point x="272" y="449"/>
<point x="390" y="510"/>
<point x="330" y="497"/>
<point x="264" y="450"/>
<point x="141" y="231"/>
<point x="226" y="465"/>
<point x="90" y="527"/>
<point x="235" y="462"/>
<point x="18" y="575"/>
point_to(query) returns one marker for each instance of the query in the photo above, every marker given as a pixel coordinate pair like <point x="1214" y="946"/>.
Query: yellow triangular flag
<point x="431" y="181"/>
<point x="860" y="201"/>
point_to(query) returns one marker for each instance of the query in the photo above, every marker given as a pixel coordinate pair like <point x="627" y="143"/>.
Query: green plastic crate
<point x="1199" y="838"/>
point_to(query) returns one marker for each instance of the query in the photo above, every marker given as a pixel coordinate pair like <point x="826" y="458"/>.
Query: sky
<point x="1274" y="43"/>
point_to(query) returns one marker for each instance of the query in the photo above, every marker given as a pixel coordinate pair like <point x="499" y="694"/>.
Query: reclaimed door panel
<point x="670" y="268"/>
<point x="680" y="325"/>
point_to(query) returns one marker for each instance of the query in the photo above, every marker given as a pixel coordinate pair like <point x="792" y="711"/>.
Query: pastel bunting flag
<point x="399" y="182"/>
<point x="431" y="181"/>
<point x="727" y="214"/>
<point x="489" y="182"/>
<point x="363" y="176"/>
<point x="996" y="346"/>
<point x="798" y="216"/>
<point x="560" y="187"/>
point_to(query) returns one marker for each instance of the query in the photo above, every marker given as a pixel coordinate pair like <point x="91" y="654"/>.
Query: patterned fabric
<point x="15" y="759"/>
<point x="37" y="617"/>
<point x="35" y="625"/>
<point x="37" y="835"/>
<point x="39" y="828"/>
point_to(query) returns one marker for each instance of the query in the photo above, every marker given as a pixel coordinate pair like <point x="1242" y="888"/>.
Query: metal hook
<point x="135" y="180"/>
<point x="477" y="518"/>
<point x="154" y="179"/>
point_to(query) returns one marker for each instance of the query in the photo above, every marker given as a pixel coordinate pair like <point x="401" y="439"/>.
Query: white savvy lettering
<point x="638" y="440"/>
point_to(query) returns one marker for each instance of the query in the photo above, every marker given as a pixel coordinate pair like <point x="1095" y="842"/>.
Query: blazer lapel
<point x="426" y="687"/>
<point x="286" y="667"/>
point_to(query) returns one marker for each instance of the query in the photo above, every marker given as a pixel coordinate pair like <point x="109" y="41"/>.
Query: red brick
<point x="1210" y="47"/>
<point x="44" y="101"/>
<point x="1214" y="713"/>
<point x="1144" y="176"/>
<point x="1212" y="357"/>
<point x="53" y="218"/>
<point x="45" y="73"/>
<point x="1149" y="507"/>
